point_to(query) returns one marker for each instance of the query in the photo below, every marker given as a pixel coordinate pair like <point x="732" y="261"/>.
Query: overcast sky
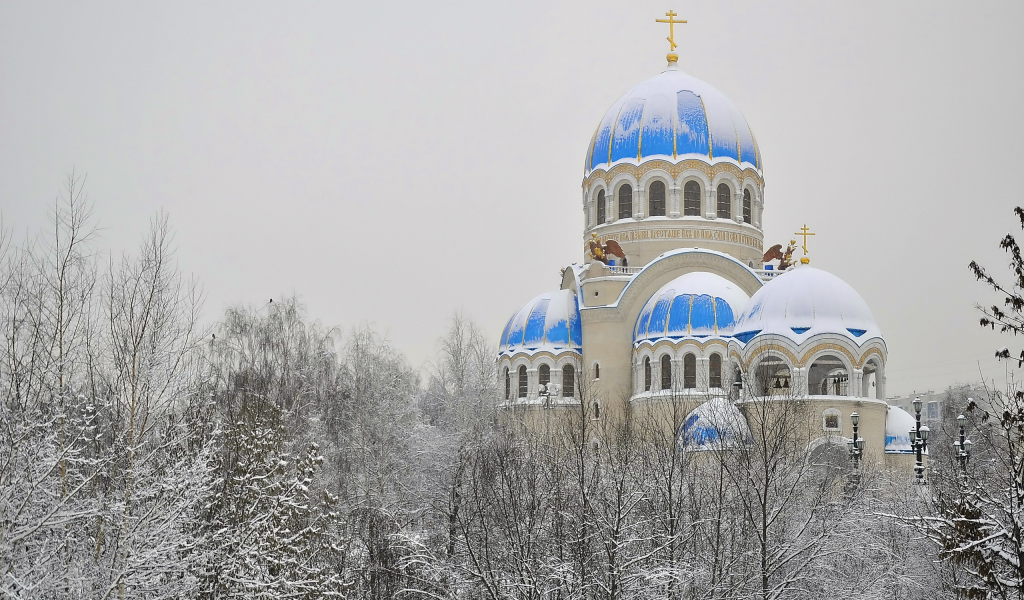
<point x="391" y="163"/>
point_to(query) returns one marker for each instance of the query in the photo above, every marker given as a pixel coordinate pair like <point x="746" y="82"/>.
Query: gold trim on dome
<point x="834" y="347"/>
<point x="679" y="344"/>
<point x="757" y="152"/>
<point x="674" y="169"/>
<point x="555" y="356"/>
<point x="864" y="357"/>
<point x="774" y="348"/>
<point x="704" y="109"/>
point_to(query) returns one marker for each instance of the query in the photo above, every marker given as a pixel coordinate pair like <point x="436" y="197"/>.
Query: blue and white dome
<point x="898" y="424"/>
<point x="550" y="322"/>
<point x="804" y="302"/>
<point x="696" y="304"/>
<point x="673" y="116"/>
<point x="714" y="425"/>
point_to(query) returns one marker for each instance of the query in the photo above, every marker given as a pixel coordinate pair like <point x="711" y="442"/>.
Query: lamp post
<point x="919" y="441"/>
<point x="962" y="445"/>
<point x="856" y="447"/>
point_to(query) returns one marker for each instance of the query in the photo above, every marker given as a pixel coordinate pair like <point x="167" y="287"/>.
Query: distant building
<point x="936" y="407"/>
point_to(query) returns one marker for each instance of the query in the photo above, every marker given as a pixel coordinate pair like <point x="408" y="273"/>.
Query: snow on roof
<point x="804" y="302"/>
<point x="714" y="425"/>
<point x="697" y="304"/>
<point x="549" y="322"/>
<point x="668" y="254"/>
<point x="898" y="424"/>
<point x="673" y="116"/>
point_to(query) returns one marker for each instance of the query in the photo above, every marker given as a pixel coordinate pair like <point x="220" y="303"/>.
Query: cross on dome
<point x="671" y="32"/>
<point x="804" y="232"/>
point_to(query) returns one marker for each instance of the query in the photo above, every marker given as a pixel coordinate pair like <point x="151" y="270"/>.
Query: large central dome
<point x="672" y="116"/>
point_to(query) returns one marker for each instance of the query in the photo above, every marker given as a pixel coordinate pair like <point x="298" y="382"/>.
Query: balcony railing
<point x="617" y="270"/>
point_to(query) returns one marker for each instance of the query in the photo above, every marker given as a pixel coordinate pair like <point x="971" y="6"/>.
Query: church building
<point x="676" y="299"/>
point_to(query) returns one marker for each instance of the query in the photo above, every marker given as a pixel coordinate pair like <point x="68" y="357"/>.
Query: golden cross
<point x="671" y="28"/>
<point x="804" y="231"/>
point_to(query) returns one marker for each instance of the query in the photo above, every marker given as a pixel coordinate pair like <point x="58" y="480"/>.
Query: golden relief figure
<point x="599" y="251"/>
<point x="785" y="259"/>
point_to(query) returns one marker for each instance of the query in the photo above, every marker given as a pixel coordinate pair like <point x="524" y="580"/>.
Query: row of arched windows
<point x="657" y="204"/>
<point x="543" y="378"/>
<point x="689" y="372"/>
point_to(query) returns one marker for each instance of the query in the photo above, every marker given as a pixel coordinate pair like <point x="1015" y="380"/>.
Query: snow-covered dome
<point x="673" y="116"/>
<point x="898" y="424"/>
<point x="696" y="304"/>
<point x="804" y="302"/>
<point x="549" y="322"/>
<point x="715" y="424"/>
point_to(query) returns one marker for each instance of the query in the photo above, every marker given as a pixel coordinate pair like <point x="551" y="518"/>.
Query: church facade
<point x="673" y="301"/>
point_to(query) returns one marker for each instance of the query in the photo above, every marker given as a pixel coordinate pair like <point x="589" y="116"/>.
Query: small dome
<point x="804" y="302"/>
<point x="549" y="322"/>
<point x="696" y="304"/>
<point x="716" y="424"/>
<point x="898" y="424"/>
<point x="672" y="116"/>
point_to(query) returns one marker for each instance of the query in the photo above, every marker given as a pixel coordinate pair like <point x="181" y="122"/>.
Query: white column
<point x="798" y="383"/>
<point x="703" y="372"/>
<point x="737" y="207"/>
<point x="638" y="203"/>
<point x="673" y="210"/>
<point x="556" y="373"/>
<point x="531" y="384"/>
<point x="710" y="208"/>
<point x="856" y="383"/>
<point x="677" y="373"/>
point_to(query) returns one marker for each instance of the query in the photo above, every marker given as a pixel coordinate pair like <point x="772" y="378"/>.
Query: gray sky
<point x="393" y="162"/>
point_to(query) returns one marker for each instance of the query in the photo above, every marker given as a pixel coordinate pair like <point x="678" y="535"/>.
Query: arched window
<point x="691" y="199"/>
<point x="568" y="381"/>
<point x="596" y="412"/>
<point x="715" y="371"/>
<point x="508" y="384"/>
<point x="656" y="197"/>
<point x="647" y="373"/>
<point x="724" y="201"/>
<point x="746" y="206"/>
<point x="544" y="375"/>
<point x="689" y="371"/>
<point x="522" y="381"/>
<point x="625" y="201"/>
<point x="666" y="372"/>
<point x="597" y="371"/>
<point x="600" y="207"/>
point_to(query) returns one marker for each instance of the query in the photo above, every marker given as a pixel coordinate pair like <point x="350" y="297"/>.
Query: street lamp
<point x="962" y="445"/>
<point x="857" y="444"/>
<point x="919" y="441"/>
<point x="856" y="449"/>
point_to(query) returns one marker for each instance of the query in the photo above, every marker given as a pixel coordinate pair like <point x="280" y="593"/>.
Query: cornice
<point x="674" y="169"/>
